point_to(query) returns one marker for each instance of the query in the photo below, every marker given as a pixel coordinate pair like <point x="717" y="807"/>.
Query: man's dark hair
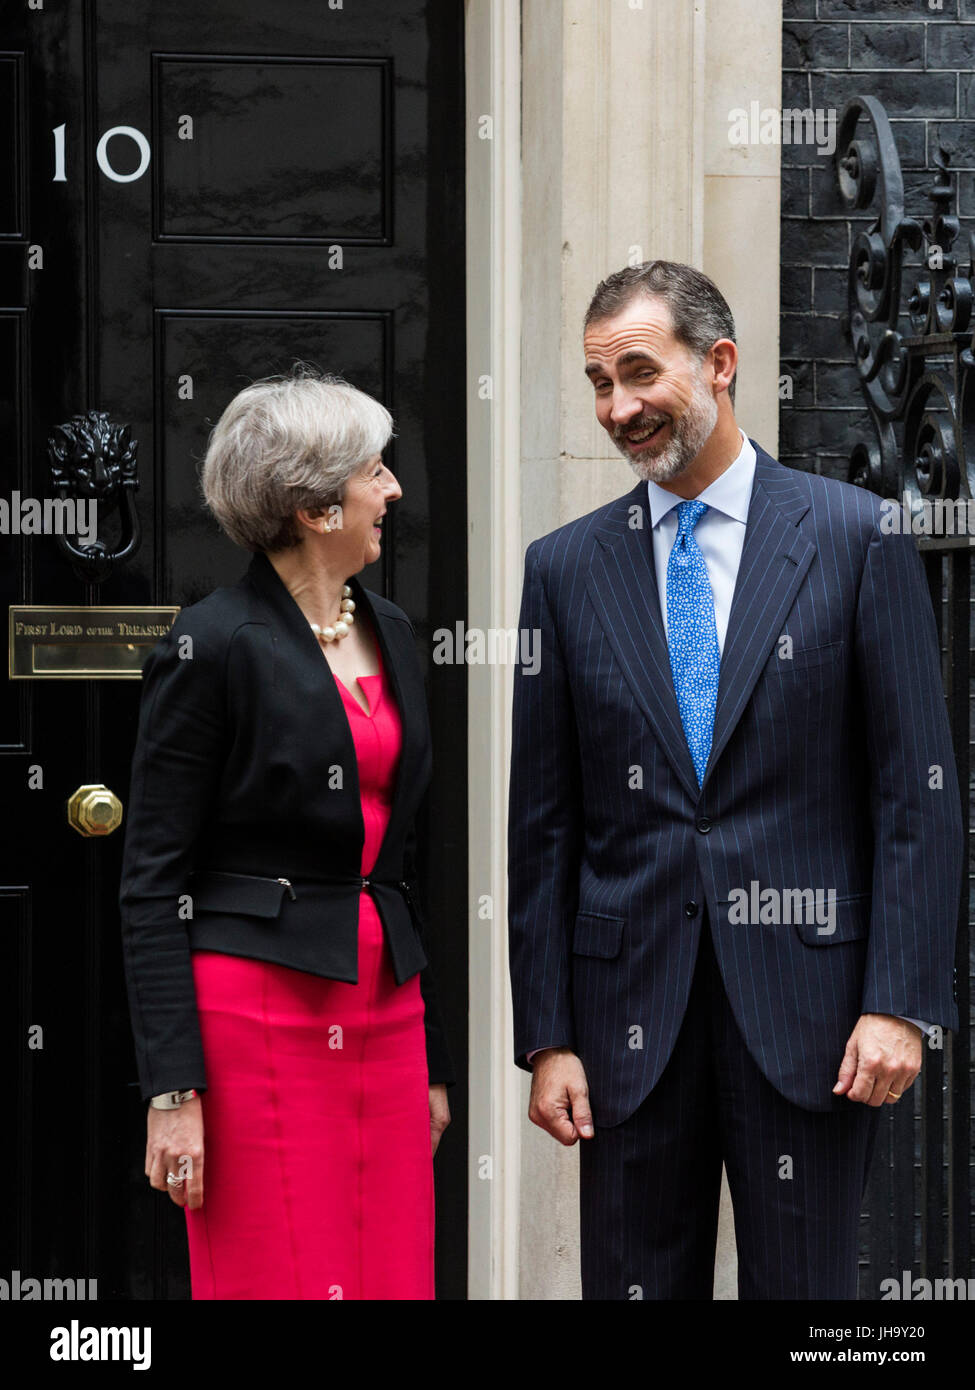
<point x="698" y="309"/>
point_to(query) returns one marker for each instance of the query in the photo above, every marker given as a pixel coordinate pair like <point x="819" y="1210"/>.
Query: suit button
<point x="690" y="909"/>
<point x="704" y="825"/>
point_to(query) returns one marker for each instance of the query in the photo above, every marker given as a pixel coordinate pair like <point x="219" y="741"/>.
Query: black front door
<point x="196" y="195"/>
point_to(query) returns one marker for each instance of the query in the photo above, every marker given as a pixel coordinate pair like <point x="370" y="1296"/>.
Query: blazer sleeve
<point x="914" y="796"/>
<point x="177" y="763"/>
<point x="439" y="1061"/>
<point x="544" y="834"/>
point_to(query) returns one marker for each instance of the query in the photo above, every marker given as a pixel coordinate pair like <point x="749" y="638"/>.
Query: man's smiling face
<point x="651" y="393"/>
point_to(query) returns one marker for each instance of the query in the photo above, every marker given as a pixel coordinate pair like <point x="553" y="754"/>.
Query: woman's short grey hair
<point x="288" y="442"/>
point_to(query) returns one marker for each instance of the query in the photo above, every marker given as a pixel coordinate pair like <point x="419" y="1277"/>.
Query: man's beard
<point x="688" y="436"/>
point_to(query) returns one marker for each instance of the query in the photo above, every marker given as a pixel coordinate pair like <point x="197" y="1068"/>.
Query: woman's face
<point x="357" y="525"/>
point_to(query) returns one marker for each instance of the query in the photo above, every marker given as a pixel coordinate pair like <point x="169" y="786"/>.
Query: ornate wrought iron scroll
<point x="918" y="384"/>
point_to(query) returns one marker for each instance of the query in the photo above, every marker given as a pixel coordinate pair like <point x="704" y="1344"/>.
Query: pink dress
<point x="318" y="1176"/>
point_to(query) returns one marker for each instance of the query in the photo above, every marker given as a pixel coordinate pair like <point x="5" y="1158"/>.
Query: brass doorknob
<point x="94" y="810"/>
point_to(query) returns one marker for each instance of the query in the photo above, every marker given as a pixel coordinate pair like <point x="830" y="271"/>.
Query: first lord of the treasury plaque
<point x="53" y="643"/>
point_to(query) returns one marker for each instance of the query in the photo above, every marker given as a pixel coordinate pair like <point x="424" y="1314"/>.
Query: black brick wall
<point x="919" y="62"/>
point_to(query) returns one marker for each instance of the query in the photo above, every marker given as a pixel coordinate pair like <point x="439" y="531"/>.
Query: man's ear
<point x="723" y="356"/>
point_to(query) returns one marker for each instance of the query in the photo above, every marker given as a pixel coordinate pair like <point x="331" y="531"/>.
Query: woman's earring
<point x="325" y="527"/>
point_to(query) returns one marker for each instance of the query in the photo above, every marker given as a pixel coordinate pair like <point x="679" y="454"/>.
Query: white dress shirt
<point x="720" y="534"/>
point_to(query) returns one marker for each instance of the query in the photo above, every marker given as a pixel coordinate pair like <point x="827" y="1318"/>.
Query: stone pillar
<point x="625" y="157"/>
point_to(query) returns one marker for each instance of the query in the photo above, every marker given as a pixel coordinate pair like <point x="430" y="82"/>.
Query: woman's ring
<point x="173" y="1180"/>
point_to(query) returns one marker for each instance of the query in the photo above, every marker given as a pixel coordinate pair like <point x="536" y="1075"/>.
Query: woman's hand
<point x="439" y="1113"/>
<point x="174" y="1144"/>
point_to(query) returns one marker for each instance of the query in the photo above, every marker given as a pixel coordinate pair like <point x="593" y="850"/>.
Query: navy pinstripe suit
<point x="823" y="775"/>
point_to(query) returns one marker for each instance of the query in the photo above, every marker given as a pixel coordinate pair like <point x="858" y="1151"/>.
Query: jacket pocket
<point x="595" y="935"/>
<point x="213" y="890"/>
<point x="848" y="920"/>
<point x="808" y="658"/>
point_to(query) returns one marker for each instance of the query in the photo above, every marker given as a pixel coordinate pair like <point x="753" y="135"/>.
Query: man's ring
<point x="173" y="1180"/>
<point x="896" y="1094"/>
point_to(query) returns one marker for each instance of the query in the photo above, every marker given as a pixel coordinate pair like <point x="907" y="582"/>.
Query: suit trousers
<point x="650" y="1186"/>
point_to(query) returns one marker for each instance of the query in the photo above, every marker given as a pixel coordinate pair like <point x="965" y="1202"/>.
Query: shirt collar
<point x="730" y="493"/>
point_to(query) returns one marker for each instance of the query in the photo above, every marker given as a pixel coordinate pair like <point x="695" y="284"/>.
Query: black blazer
<point x="244" y="828"/>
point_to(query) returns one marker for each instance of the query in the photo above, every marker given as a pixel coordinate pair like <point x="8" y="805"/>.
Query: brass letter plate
<point x="53" y="643"/>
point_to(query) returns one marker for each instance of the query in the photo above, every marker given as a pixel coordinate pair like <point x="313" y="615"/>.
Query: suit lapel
<point x="622" y="584"/>
<point x="774" y="561"/>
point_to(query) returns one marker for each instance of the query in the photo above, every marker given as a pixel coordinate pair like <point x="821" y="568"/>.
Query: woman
<point x="285" y="1027"/>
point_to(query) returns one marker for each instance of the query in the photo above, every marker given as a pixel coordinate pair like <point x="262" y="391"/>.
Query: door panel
<point x="211" y="348"/>
<point x="327" y="176"/>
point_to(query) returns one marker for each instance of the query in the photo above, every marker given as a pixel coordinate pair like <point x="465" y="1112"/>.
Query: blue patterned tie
<point x="692" y="636"/>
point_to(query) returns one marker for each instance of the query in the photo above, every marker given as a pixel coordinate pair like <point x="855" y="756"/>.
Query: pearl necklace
<point x="345" y="619"/>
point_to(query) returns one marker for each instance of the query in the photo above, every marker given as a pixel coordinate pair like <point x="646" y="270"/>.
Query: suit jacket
<point x="822" y="776"/>
<point x="244" y="821"/>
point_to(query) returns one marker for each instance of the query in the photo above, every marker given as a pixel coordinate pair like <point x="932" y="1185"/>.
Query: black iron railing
<point x="910" y="323"/>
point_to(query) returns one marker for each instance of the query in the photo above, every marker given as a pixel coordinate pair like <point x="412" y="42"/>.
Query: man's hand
<point x="560" y="1095"/>
<point x="881" y="1061"/>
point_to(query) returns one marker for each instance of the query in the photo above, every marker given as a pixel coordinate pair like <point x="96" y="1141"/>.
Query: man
<point x="735" y="839"/>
